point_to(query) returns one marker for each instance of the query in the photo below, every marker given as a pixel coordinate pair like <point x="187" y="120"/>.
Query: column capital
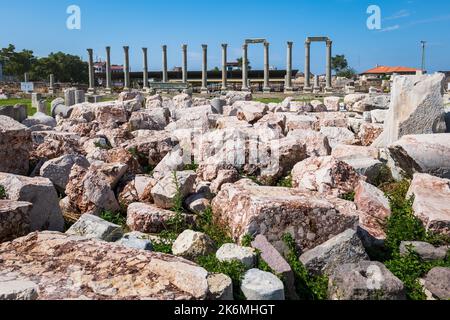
<point x="108" y="48"/>
<point x="266" y="44"/>
<point x="290" y="43"/>
<point x="90" y="51"/>
<point x="224" y="45"/>
<point x="329" y="43"/>
<point x="144" y="49"/>
<point x="307" y="41"/>
<point x="164" y="47"/>
<point x="184" y="46"/>
<point x="204" y="46"/>
<point x="126" y="47"/>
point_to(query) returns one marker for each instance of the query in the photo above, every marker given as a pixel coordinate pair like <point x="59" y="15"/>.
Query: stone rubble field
<point x="150" y="197"/>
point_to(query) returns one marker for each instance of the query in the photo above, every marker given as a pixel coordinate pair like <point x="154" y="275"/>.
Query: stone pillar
<point x="25" y="77"/>
<point x="145" y="70"/>
<point x="35" y="98"/>
<point x="79" y="96"/>
<point x="307" y="65"/>
<point x="91" y="88"/>
<point x="185" y="63"/>
<point x="288" y="82"/>
<point x="165" y="77"/>
<point x="108" y="70"/>
<point x="244" y="68"/>
<point x="316" y="88"/>
<point x="328" y="71"/>
<point x="204" y="88"/>
<point x="266" y="87"/>
<point x="126" y="69"/>
<point x="224" y="67"/>
<point x="69" y="97"/>
<point x="51" y="87"/>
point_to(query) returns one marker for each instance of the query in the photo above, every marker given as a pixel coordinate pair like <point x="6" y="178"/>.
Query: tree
<point x="240" y="63"/>
<point x="339" y="63"/>
<point x="216" y="69"/>
<point x="16" y="63"/>
<point x="65" y="68"/>
<point x="348" y="73"/>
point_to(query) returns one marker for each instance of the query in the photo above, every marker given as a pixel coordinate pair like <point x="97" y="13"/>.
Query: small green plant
<point x="102" y="146"/>
<point x="3" y="194"/>
<point x="114" y="217"/>
<point x="247" y="240"/>
<point x="285" y="182"/>
<point x="234" y="269"/>
<point x="191" y="166"/>
<point x="165" y="242"/>
<point x="409" y="268"/>
<point x="205" y="224"/>
<point x="308" y="287"/>
<point x="349" y="196"/>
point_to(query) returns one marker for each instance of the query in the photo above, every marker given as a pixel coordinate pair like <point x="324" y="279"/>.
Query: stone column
<point x="108" y="70"/>
<point x="204" y="88"/>
<point x="266" y="87"/>
<point x="328" y="71"/>
<point x="224" y="67"/>
<point x="316" y="88"/>
<point x="307" y="65"/>
<point x="91" y="88"/>
<point x="184" y="72"/>
<point x="25" y="77"/>
<point x="51" y="88"/>
<point x="288" y="83"/>
<point x="145" y="75"/>
<point x="165" y="77"/>
<point x="244" y="68"/>
<point x="126" y="69"/>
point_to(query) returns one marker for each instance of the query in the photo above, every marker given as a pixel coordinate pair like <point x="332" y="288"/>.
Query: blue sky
<point x="41" y="26"/>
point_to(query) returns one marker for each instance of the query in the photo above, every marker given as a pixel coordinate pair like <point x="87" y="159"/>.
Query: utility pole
<point x="423" y="55"/>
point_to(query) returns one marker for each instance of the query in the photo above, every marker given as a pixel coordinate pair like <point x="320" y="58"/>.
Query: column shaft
<point x="165" y="77"/>
<point x="244" y="68"/>
<point x="307" y="64"/>
<point x="328" y="71"/>
<point x="91" y="70"/>
<point x="266" y="87"/>
<point x="288" y="84"/>
<point x="108" y="69"/>
<point x="145" y="71"/>
<point x="224" y="67"/>
<point x="126" y="68"/>
<point x="184" y="72"/>
<point x="205" y="69"/>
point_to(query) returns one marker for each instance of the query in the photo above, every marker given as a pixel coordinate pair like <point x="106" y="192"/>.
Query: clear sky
<point x="41" y="27"/>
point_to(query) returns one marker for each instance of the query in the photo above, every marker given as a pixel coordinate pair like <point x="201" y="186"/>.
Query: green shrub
<point x="3" y="194"/>
<point x="234" y="269"/>
<point x="247" y="240"/>
<point x="409" y="268"/>
<point x="205" y="223"/>
<point x="165" y="242"/>
<point x="285" y="182"/>
<point x="192" y="166"/>
<point x="114" y="217"/>
<point x="102" y="146"/>
<point x="349" y="196"/>
<point x="308" y="287"/>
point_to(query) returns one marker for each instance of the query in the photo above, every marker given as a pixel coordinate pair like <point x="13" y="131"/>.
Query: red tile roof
<point x="390" y="70"/>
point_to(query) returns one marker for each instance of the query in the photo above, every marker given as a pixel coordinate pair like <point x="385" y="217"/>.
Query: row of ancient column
<point x="204" y="82"/>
